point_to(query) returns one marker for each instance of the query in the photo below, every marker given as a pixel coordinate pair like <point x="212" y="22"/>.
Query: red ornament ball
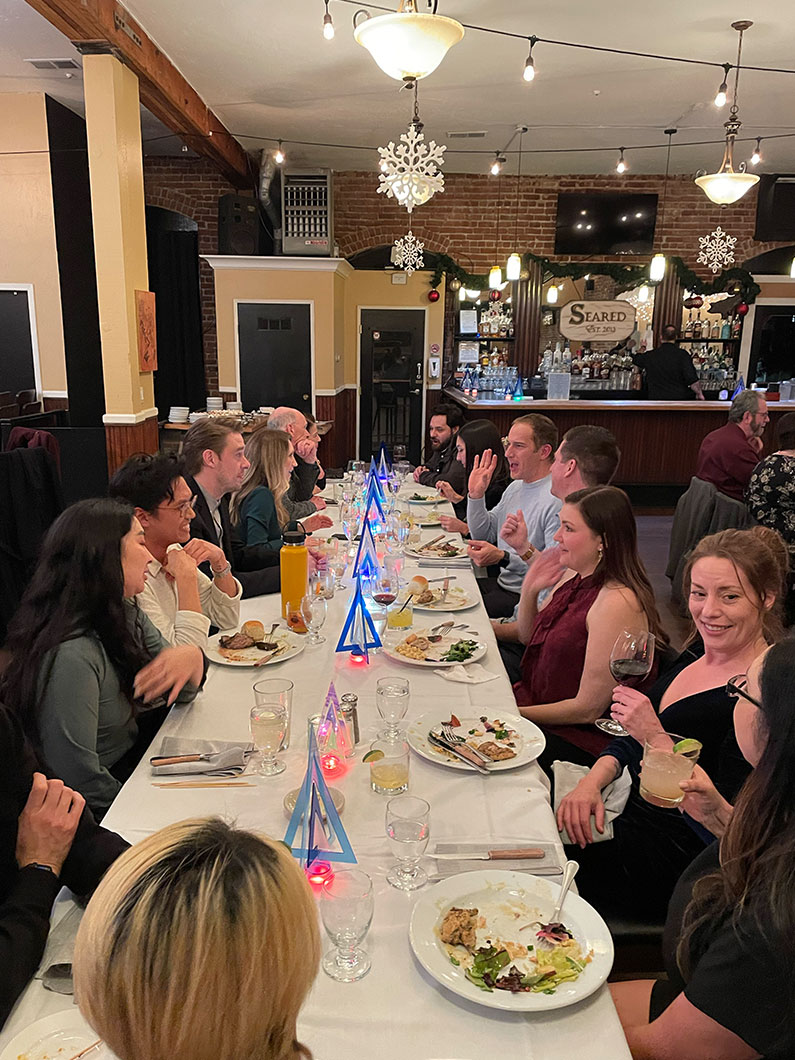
<point x="495" y="296"/>
<point x="433" y="295"/>
<point x="697" y="301"/>
<point x="742" y="309"/>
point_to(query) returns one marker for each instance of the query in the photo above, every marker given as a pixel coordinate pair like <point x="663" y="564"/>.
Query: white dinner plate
<point x="428" y="498"/>
<point x="417" y="553"/>
<point x="432" y="518"/>
<point x="530" y="740"/>
<point x="473" y="889"/>
<point x="56" y="1037"/>
<point x="433" y="664"/>
<point x="457" y="600"/>
<point x="250" y="656"/>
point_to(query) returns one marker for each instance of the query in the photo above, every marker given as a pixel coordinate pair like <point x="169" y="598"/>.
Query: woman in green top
<point x="257" y="509"/>
<point x="87" y="666"/>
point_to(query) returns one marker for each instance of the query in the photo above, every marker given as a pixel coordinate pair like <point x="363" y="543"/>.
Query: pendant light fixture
<point x="408" y="45"/>
<point x="730" y="184"/>
<point x="495" y="272"/>
<point x="513" y="269"/>
<point x="658" y="263"/>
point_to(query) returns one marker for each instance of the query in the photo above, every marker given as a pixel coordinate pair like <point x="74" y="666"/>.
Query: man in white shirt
<point x="531" y="444"/>
<point x="180" y="600"/>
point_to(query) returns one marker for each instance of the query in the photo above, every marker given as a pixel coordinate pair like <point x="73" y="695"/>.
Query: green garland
<point x="737" y="281"/>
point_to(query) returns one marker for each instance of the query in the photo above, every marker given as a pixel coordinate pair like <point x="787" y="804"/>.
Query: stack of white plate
<point x="215" y="404"/>
<point x="234" y="406"/>
<point x="178" y="414"/>
<point x="194" y="416"/>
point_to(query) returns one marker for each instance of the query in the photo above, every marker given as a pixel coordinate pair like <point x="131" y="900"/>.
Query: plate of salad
<point x="482" y="935"/>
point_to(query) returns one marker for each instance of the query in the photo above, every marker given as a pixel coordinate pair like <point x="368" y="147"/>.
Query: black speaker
<point x="238" y="225"/>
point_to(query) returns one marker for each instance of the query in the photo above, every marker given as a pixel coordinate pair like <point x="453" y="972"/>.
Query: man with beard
<point x="441" y="463"/>
<point x="728" y="455"/>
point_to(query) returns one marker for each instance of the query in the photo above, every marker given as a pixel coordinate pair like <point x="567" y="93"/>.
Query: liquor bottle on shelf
<point x="726" y="330"/>
<point x="689" y="326"/>
<point x="737" y="325"/>
<point x="715" y="330"/>
<point x="697" y="327"/>
<point x="474" y="383"/>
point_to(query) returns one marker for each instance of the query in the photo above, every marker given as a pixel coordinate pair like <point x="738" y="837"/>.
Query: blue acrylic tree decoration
<point x="373" y="482"/>
<point x="358" y="632"/>
<point x="319" y="841"/>
<point x="384" y="463"/>
<point x="366" y="561"/>
<point x="373" y="472"/>
<point x="333" y="734"/>
<point x="373" y="505"/>
<point x="739" y="388"/>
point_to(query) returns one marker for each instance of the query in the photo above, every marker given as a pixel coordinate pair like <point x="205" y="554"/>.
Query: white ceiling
<point x="265" y="69"/>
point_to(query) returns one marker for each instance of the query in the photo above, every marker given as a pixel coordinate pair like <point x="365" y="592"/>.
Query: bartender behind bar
<point x="670" y="375"/>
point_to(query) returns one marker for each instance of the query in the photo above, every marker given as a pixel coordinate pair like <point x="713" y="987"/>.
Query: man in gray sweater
<point x="532" y="441"/>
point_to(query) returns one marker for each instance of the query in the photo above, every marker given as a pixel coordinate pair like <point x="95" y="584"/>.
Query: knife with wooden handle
<point x="519" y="854"/>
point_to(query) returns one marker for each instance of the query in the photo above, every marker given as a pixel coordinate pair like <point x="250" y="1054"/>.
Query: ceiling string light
<point x="552" y="294"/>
<point x="407" y="45"/>
<point x="497" y="164"/>
<point x="513" y="268"/>
<point x="621" y="166"/>
<point x="328" y="24"/>
<point x="722" y="94"/>
<point x="730" y="184"/>
<point x="279" y="155"/>
<point x="530" y="66"/>
<point x="495" y="272"/>
<point x="657" y="264"/>
<point x="756" y="157"/>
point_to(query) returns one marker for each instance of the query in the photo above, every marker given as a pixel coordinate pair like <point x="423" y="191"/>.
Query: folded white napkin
<point x="229" y="759"/>
<point x="473" y="674"/>
<point x="568" y="775"/>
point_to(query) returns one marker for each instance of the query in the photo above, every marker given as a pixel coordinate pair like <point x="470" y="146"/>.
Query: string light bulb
<point x="552" y="294"/>
<point x="657" y="268"/>
<point x="792" y="269"/>
<point x="495" y="277"/>
<point x="756" y="157"/>
<point x="328" y="24"/>
<point x="496" y="165"/>
<point x="723" y="91"/>
<point x="279" y="157"/>
<point x="513" y="269"/>
<point x="621" y="165"/>
<point x="462" y="294"/>
<point x="643" y="293"/>
<point x="529" y="72"/>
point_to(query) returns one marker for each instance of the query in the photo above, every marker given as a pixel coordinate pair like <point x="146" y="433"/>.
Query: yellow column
<point x="115" y="161"/>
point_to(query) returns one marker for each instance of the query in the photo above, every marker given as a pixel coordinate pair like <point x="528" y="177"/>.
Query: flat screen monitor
<point x="591" y="223"/>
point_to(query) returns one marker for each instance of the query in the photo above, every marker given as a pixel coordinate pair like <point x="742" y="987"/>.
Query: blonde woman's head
<point x="270" y="456"/>
<point x="201" y="941"/>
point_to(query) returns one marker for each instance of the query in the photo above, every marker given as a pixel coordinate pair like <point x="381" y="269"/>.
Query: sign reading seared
<point x="597" y="321"/>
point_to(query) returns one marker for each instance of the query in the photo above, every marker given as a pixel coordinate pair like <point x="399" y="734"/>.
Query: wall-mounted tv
<point x="592" y="223"/>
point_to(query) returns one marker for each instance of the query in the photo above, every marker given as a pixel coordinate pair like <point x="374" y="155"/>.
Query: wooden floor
<point x="654" y="533"/>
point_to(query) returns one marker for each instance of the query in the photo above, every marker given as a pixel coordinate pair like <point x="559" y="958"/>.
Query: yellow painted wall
<point x="27" y="224"/>
<point x="375" y="290"/>
<point x="252" y="285"/>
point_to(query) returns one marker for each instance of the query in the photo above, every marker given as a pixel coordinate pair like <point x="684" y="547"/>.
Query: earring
<point x="600" y="550"/>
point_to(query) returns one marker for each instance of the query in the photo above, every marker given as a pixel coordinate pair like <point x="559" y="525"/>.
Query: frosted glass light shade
<point x="724" y="187"/>
<point x="657" y="268"/>
<point x="408" y="45"/>
<point x="495" y="277"/>
<point x="513" y="268"/>
<point x="552" y="295"/>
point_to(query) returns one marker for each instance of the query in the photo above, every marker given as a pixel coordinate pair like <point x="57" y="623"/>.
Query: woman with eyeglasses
<point x="734" y="582"/>
<point x="727" y="946"/>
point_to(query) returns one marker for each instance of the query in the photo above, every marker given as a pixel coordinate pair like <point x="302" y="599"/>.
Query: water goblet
<point x="392" y="696"/>
<point x="268" y="729"/>
<point x="346" y="909"/>
<point x="313" y="609"/>
<point x="408" y="829"/>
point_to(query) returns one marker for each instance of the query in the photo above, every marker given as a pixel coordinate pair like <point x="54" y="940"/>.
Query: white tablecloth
<point x="397" y="1011"/>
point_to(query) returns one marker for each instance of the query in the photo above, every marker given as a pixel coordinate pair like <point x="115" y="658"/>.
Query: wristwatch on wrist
<point x="223" y="572"/>
<point x="526" y="555"/>
<point x="43" y="868"/>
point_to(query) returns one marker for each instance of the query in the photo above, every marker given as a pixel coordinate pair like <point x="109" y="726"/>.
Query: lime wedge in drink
<point x="684" y="747"/>
<point x="373" y="756"/>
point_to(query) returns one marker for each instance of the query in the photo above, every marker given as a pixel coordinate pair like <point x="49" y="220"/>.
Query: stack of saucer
<point x="194" y="416"/>
<point x="178" y="414"/>
<point x="215" y="404"/>
<point x="234" y="406"/>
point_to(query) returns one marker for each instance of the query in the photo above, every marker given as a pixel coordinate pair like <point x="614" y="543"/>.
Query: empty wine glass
<point x="346" y="909"/>
<point x="631" y="659"/>
<point x="268" y="729"/>
<point x="408" y="829"/>
<point x="392" y="696"/>
<point x="338" y="561"/>
<point x="313" y="609"/>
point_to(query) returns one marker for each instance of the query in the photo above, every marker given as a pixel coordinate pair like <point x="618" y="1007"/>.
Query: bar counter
<point x="659" y="440"/>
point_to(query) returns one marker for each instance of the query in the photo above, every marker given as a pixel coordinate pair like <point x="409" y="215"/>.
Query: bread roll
<point x="255" y="630"/>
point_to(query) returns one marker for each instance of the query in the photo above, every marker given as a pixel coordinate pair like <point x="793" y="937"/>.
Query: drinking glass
<point x="268" y="729"/>
<point x="322" y="582"/>
<point x="408" y="828"/>
<point x="400" y="616"/>
<point x="337" y="563"/>
<point x="392" y="696"/>
<point x="663" y="768"/>
<point x="349" y="520"/>
<point x="313" y="609"/>
<point x="385" y="586"/>
<point x="399" y="453"/>
<point x="389" y="774"/>
<point x="631" y="658"/>
<point x="276" y="691"/>
<point x="378" y="615"/>
<point x="346" y="909"/>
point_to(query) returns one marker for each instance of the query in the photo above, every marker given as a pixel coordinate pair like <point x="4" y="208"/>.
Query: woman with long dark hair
<point x="474" y="438"/>
<point x="731" y="921"/>
<point x="734" y="581"/>
<point x="85" y="661"/>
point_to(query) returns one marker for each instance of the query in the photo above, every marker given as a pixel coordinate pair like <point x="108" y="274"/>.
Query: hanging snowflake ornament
<point x="408" y="253"/>
<point x="717" y="249"/>
<point x="410" y="170"/>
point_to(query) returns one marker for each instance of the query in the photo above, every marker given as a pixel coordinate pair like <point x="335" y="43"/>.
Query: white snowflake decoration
<point x="717" y="249"/>
<point x="408" y="253"/>
<point x="409" y="171"/>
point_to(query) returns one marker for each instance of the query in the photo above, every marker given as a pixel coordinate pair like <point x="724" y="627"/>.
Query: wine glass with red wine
<point x="385" y="586"/>
<point x="631" y="659"/>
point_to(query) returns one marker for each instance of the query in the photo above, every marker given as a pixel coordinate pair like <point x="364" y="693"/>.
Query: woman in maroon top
<point x="599" y="588"/>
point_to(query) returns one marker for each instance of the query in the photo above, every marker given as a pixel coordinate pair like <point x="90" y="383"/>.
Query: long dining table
<point x="397" y="1010"/>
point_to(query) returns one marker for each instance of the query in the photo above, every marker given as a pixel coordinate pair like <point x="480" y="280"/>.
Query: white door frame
<point x="278" y="301"/>
<point x="34" y="336"/>
<point x="424" y="310"/>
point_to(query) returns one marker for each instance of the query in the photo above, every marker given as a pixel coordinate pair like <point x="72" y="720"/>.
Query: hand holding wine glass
<point x="631" y="659"/>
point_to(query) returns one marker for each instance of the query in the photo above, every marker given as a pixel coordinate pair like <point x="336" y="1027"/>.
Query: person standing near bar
<point x="670" y="375"/>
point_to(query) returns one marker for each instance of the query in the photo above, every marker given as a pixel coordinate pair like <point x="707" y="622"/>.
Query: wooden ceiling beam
<point x="164" y="91"/>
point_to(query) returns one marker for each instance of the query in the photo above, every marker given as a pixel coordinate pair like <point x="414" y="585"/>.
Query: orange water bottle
<point x="294" y="564"/>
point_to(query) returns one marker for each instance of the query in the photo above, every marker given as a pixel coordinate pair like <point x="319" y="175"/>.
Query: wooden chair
<point x="8" y="412"/>
<point x="5" y="398"/>
<point x="30" y="408"/>
<point x="24" y="397"/>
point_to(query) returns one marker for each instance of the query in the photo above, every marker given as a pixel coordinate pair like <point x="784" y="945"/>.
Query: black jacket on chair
<point x="255" y="566"/>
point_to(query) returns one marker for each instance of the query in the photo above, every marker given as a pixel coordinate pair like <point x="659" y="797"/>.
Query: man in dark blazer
<point x="215" y="463"/>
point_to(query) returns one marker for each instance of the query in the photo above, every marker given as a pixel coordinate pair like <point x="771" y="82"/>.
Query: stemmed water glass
<point x="349" y="519"/>
<point x="392" y="696"/>
<point x="338" y="561"/>
<point x="631" y="659"/>
<point x="313" y="609"/>
<point x="408" y="829"/>
<point x="346" y="909"/>
<point x="268" y="729"/>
